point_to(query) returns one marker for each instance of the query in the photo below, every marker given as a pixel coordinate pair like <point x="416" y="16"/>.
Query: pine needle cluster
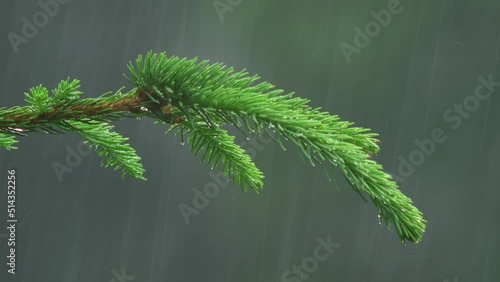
<point x="195" y="98"/>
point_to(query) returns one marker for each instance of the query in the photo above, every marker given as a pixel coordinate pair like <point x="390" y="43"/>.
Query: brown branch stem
<point x="27" y="119"/>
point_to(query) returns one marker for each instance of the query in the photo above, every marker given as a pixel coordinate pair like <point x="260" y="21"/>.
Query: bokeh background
<point x="92" y="225"/>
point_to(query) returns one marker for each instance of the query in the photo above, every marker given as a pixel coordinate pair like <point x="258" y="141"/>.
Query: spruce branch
<point x="109" y="144"/>
<point x="219" y="148"/>
<point x="7" y="141"/>
<point x="196" y="99"/>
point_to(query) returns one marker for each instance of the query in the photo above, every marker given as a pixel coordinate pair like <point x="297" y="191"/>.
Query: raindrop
<point x="379" y="219"/>
<point x="248" y="137"/>
<point x="182" y="143"/>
